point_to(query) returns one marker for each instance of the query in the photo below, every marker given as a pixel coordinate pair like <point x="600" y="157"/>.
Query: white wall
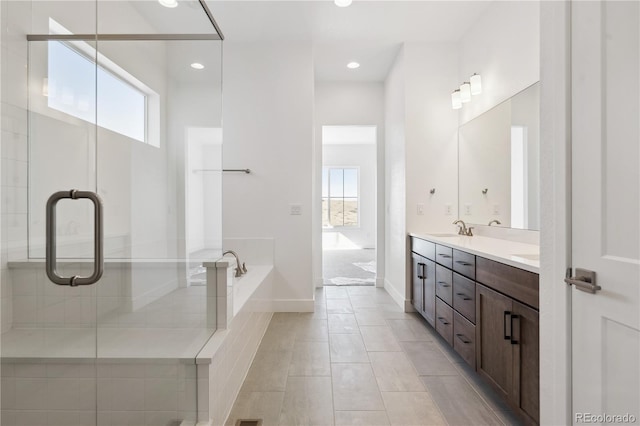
<point x="395" y="181"/>
<point x="503" y="46"/>
<point x="363" y="157"/>
<point x="421" y="152"/>
<point x="268" y="127"/>
<point x="431" y="136"/>
<point x="349" y="103"/>
<point x="555" y="186"/>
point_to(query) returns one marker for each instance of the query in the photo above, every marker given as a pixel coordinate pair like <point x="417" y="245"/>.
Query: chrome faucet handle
<point x="469" y="233"/>
<point x="244" y="268"/>
<point x="461" y="230"/>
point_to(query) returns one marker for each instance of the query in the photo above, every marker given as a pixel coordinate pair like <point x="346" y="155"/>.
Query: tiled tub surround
<point x="148" y="361"/>
<point x="244" y="312"/>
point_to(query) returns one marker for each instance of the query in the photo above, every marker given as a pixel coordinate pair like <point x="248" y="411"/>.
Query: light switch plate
<point x="467" y="209"/>
<point x="420" y="209"/>
<point x="295" y="209"/>
<point x="496" y="209"/>
<point x="448" y="210"/>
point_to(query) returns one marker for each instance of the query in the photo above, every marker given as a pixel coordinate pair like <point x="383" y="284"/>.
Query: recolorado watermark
<point x="605" y="418"/>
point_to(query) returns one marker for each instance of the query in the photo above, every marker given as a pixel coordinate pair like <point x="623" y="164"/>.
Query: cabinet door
<point x="429" y="292"/>
<point x="418" y="267"/>
<point x="494" y="352"/>
<point x="526" y="360"/>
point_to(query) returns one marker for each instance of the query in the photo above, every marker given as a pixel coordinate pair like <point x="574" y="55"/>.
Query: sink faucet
<point x="241" y="269"/>
<point x="496" y="221"/>
<point x="463" y="230"/>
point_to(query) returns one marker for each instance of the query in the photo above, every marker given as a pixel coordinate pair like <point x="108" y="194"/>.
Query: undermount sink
<point x="444" y="235"/>
<point x="528" y="256"/>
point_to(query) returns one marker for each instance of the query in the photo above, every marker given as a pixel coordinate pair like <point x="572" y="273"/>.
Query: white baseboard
<point x="380" y="282"/>
<point x="319" y="282"/>
<point x="395" y="295"/>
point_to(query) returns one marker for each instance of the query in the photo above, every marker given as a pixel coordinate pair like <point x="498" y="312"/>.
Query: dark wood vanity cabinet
<point x="507" y="353"/>
<point x="488" y="312"/>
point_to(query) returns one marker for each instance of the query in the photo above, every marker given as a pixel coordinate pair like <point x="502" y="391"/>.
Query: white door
<point x="606" y="210"/>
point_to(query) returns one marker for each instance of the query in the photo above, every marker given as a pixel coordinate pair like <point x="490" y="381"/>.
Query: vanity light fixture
<point x="476" y="84"/>
<point x="353" y="65"/>
<point x="197" y="66"/>
<point x="465" y="92"/>
<point x="342" y="3"/>
<point x="456" y="102"/>
<point x="169" y="3"/>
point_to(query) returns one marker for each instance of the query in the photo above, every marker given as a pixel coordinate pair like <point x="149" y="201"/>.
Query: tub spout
<point x="240" y="267"/>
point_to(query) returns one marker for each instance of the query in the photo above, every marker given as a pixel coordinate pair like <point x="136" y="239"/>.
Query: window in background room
<point x="340" y="198"/>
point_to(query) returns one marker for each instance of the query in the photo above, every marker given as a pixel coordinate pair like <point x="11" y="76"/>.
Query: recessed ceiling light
<point x="169" y="3"/>
<point x="197" y="66"/>
<point x="342" y="3"/>
<point x="353" y="65"/>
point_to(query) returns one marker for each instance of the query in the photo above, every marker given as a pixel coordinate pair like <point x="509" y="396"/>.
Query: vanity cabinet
<point x="424" y="286"/>
<point x="488" y="312"/>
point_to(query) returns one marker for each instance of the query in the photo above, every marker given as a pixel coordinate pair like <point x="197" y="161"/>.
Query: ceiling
<point x="369" y="32"/>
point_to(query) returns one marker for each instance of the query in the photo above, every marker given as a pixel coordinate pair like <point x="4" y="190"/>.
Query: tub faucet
<point x="241" y="269"/>
<point x="496" y="221"/>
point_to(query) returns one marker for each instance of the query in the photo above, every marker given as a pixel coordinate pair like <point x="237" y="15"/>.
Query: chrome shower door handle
<point x="98" y="233"/>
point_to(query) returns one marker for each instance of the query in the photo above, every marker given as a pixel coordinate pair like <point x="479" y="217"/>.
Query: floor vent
<point x="249" y="422"/>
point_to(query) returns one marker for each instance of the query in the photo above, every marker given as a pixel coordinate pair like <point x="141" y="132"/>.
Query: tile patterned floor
<point x="359" y="360"/>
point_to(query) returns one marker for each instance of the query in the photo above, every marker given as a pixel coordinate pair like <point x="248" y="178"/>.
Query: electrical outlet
<point x="467" y="209"/>
<point x="420" y="209"/>
<point x="448" y="209"/>
<point x="496" y="209"/>
<point x="295" y="209"/>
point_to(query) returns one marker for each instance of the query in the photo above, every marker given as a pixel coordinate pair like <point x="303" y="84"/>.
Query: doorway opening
<point x="349" y="170"/>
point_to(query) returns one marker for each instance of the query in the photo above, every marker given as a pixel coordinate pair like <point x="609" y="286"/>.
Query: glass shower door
<point x="53" y="258"/>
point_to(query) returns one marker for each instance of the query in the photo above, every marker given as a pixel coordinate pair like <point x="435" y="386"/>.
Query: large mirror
<point x="499" y="164"/>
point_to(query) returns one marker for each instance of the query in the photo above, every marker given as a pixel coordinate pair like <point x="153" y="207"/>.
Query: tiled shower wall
<point x="133" y="393"/>
<point x="14" y="151"/>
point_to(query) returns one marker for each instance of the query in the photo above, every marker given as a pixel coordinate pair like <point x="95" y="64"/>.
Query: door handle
<point x="584" y="280"/>
<point x="420" y="270"/>
<point x="98" y="232"/>
<point x="463" y="338"/>
<point x="460" y="262"/>
<point x="462" y="295"/>
<point x="443" y="284"/>
<point x="443" y="320"/>
<point x="504" y="325"/>
<point x="514" y="341"/>
<point x="446" y="256"/>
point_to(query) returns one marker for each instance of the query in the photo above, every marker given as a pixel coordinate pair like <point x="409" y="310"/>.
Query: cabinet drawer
<point x="464" y="263"/>
<point x="444" y="284"/>
<point x="444" y="256"/>
<point x="516" y="283"/>
<point x="464" y="339"/>
<point x="464" y="297"/>
<point x="444" y="320"/>
<point x="423" y="248"/>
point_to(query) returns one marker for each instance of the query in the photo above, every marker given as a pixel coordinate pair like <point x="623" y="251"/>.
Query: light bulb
<point x="465" y="92"/>
<point x="197" y="66"/>
<point x="456" y="102"/>
<point x="342" y="3"/>
<point x="169" y="3"/>
<point x="353" y="65"/>
<point x="476" y="84"/>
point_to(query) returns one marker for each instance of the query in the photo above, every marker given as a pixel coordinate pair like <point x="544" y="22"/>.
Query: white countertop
<point x="519" y="255"/>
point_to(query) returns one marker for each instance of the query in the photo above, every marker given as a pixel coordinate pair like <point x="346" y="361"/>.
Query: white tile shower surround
<point x="368" y="364"/>
<point x="135" y="385"/>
